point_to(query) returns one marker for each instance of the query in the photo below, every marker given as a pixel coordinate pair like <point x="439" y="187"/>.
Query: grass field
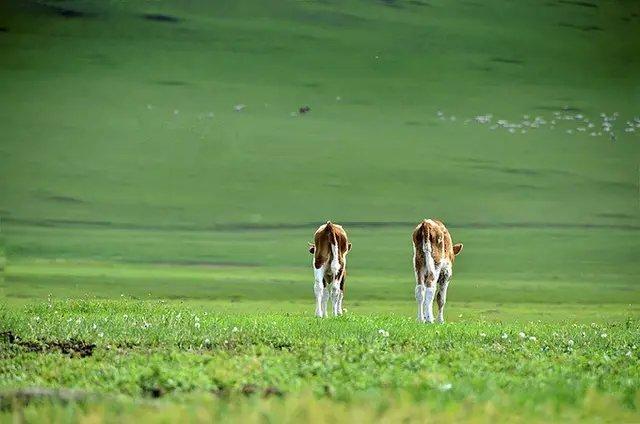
<point x="143" y="218"/>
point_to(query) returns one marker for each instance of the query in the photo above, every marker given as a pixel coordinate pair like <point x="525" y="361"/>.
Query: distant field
<point x="134" y="197"/>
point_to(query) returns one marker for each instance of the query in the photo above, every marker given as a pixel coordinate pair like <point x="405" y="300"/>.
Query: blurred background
<point x="189" y="149"/>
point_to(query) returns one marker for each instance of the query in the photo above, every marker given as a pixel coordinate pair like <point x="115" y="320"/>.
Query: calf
<point x="329" y="249"/>
<point x="433" y="256"/>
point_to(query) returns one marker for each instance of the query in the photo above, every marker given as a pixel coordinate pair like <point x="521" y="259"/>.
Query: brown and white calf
<point x="433" y="257"/>
<point x="329" y="249"/>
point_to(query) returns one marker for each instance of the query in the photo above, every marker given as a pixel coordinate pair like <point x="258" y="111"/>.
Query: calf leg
<point x="443" y="285"/>
<point x="326" y="293"/>
<point x="335" y="297"/>
<point x="442" y="300"/>
<point x="318" y="289"/>
<point x="430" y="292"/>
<point x="341" y="294"/>
<point x="420" y="293"/>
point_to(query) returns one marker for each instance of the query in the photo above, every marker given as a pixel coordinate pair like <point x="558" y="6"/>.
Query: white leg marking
<point x="420" y="296"/>
<point x="335" y="297"/>
<point x="430" y="293"/>
<point x="325" y="297"/>
<point x="340" y="302"/>
<point x="318" y="288"/>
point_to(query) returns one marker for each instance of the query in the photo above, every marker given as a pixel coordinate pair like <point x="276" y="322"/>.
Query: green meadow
<point x="159" y="185"/>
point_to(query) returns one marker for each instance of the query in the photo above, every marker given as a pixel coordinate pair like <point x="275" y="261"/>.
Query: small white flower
<point x="344" y="310"/>
<point x="522" y="335"/>
<point x="460" y="316"/>
<point x="446" y="387"/>
<point x="207" y="341"/>
<point x="603" y="335"/>
<point x="628" y="353"/>
<point x="239" y="108"/>
<point x="483" y="335"/>
<point x="197" y="324"/>
<point x="383" y="333"/>
<point x="234" y="330"/>
<point x="505" y="336"/>
<point x="570" y="342"/>
<point x="532" y="338"/>
<point x="101" y="334"/>
<point x="95" y="326"/>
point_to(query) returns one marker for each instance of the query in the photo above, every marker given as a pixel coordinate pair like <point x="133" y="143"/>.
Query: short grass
<point x="147" y="349"/>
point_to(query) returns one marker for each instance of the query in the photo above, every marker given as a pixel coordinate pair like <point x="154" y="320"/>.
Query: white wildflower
<point x="532" y="338"/>
<point x="505" y="336"/>
<point x="603" y="335"/>
<point x="197" y="324"/>
<point x="234" y="330"/>
<point x="483" y="335"/>
<point x="522" y="335"/>
<point x="383" y="333"/>
<point x="446" y="387"/>
<point x="570" y="342"/>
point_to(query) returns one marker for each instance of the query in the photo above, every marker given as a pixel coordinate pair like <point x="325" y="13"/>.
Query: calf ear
<point x="312" y="248"/>
<point x="348" y="247"/>
<point x="457" y="248"/>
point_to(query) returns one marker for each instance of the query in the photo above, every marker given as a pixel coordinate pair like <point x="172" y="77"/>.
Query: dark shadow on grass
<point x="159" y="17"/>
<point x="579" y="3"/>
<point x="586" y="28"/>
<point x="240" y="227"/>
<point x="507" y="60"/>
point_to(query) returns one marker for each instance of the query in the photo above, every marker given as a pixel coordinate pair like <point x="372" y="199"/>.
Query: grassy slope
<point x="76" y="93"/>
<point x="168" y="191"/>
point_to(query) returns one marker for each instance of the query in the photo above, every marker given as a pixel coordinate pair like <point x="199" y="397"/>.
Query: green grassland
<point x="134" y="198"/>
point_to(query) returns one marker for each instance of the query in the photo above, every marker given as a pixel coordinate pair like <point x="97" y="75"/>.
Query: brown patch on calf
<point x="326" y="235"/>
<point x="436" y="234"/>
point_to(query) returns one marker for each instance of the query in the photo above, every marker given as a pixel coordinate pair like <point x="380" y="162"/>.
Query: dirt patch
<point x="24" y="397"/>
<point x="252" y="389"/>
<point x="72" y="347"/>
